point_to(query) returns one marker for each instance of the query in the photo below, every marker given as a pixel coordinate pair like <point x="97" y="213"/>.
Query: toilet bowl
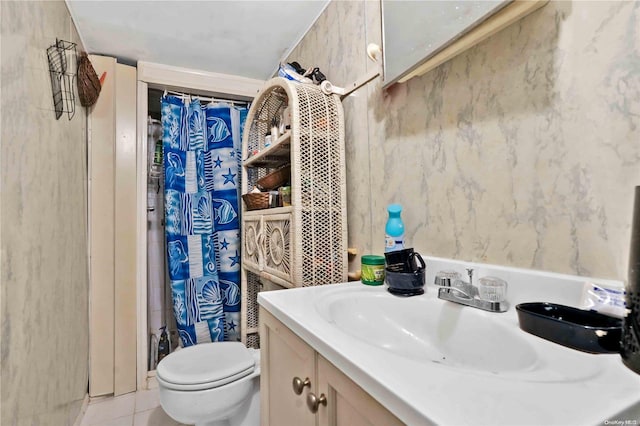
<point x="211" y="384"/>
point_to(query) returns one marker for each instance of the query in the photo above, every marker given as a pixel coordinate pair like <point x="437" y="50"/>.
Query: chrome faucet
<point x="453" y="289"/>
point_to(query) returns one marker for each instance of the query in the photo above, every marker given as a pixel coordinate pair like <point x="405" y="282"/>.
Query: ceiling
<point x="237" y="37"/>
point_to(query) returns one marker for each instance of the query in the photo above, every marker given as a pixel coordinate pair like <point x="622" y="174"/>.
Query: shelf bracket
<point x="374" y="52"/>
<point x="329" y="89"/>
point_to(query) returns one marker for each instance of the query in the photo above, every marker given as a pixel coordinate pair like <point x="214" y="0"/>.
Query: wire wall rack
<point x="63" y="65"/>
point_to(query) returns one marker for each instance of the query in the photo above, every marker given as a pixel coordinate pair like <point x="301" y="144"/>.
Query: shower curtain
<point x="201" y="152"/>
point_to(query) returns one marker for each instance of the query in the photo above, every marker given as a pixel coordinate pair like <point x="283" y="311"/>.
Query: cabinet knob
<point x="299" y="385"/>
<point x="313" y="402"/>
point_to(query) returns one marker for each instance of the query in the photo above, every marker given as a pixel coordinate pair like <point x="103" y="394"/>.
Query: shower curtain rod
<point x="187" y="96"/>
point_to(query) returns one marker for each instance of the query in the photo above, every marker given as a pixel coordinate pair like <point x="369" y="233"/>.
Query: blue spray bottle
<point x="394" y="230"/>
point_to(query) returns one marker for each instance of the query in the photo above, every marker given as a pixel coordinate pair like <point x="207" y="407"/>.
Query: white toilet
<point x="211" y="384"/>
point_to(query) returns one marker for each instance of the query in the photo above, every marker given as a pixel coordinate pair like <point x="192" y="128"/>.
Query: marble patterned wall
<point x="522" y="151"/>
<point x="43" y="211"/>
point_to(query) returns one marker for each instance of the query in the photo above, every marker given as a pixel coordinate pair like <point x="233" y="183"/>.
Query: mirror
<point x="415" y="31"/>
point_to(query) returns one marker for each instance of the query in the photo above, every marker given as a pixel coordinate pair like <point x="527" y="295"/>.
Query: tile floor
<point x="141" y="408"/>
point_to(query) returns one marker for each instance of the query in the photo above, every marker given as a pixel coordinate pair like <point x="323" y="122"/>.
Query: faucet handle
<point x="446" y="278"/>
<point x="492" y="289"/>
<point x="451" y="280"/>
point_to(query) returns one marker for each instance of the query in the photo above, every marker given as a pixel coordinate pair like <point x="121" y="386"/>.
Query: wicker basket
<point x="275" y="179"/>
<point x="88" y="82"/>
<point x="256" y="200"/>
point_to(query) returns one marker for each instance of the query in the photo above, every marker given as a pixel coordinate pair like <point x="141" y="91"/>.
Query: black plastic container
<point x="630" y="350"/>
<point x="586" y="331"/>
<point x="398" y="257"/>
<point x="405" y="283"/>
<point x="405" y="260"/>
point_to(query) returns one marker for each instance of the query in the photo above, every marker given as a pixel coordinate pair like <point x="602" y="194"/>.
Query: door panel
<point x="112" y="231"/>
<point x="283" y="357"/>
<point x="101" y="230"/>
<point x="277" y="245"/>
<point x="125" y="232"/>
<point x="347" y="403"/>
<point x="251" y="243"/>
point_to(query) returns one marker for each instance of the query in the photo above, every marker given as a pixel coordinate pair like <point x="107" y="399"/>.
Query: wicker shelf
<point x="304" y="244"/>
<point x="273" y="156"/>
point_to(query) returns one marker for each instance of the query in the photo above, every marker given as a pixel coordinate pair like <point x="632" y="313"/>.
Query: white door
<point x="112" y="231"/>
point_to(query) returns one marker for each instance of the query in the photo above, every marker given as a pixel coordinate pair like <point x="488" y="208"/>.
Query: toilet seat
<point x="205" y="366"/>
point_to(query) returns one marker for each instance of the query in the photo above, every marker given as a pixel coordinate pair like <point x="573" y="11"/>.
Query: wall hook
<point x="374" y="52"/>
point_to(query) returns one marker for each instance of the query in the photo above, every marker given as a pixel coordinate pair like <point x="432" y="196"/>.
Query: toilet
<point x="211" y="384"/>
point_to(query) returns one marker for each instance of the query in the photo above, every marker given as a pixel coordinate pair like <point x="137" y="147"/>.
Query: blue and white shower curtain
<point x="201" y="162"/>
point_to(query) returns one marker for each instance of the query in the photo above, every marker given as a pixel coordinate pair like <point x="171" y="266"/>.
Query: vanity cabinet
<point x="340" y="402"/>
<point x="304" y="243"/>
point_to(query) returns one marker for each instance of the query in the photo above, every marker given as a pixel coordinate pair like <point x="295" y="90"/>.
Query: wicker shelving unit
<point x="303" y="244"/>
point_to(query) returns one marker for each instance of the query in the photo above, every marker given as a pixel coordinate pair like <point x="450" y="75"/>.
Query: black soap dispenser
<point x="630" y="347"/>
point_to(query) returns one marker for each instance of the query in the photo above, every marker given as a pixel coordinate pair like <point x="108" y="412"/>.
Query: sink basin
<point x="431" y="330"/>
<point x="425" y="328"/>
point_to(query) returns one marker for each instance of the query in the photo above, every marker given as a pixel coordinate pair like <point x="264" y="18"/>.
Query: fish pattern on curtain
<point x="202" y="218"/>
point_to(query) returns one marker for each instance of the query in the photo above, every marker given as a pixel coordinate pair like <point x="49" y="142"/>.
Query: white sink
<point x="425" y="328"/>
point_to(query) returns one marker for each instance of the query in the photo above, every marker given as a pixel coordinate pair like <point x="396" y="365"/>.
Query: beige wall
<point x="44" y="279"/>
<point x="523" y="151"/>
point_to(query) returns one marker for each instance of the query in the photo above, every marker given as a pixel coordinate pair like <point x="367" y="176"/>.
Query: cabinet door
<point x="347" y="404"/>
<point x="283" y="357"/>
<point x="252" y="256"/>
<point x="277" y="245"/>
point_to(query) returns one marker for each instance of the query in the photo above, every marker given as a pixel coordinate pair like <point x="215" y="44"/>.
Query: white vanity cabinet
<point x="305" y="243"/>
<point x="341" y="402"/>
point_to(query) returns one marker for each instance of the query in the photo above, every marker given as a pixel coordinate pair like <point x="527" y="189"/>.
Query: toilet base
<point x="248" y="415"/>
<point x="241" y="408"/>
<point x="236" y="403"/>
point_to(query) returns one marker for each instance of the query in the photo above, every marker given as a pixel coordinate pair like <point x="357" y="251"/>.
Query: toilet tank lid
<point x="206" y="363"/>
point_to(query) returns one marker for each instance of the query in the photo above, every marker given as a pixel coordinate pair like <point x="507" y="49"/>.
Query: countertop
<point x="572" y="388"/>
